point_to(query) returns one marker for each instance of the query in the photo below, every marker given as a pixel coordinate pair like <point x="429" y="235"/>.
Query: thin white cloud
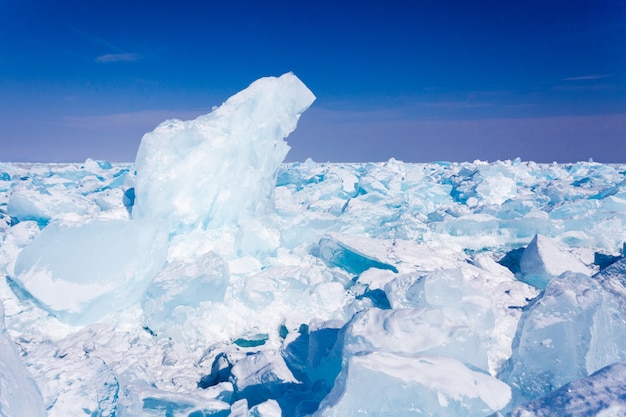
<point x="587" y="77"/>
<point x="587" y="87"/>
<point x="122" y="57"/>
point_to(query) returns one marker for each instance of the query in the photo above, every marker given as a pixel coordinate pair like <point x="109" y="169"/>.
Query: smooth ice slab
<point x="80" y="273"/>
<point x="383" y="383"/>
<point x="220" y="167"/>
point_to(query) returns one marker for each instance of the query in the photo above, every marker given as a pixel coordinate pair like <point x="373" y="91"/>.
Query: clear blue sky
<point x="415" y="80"/>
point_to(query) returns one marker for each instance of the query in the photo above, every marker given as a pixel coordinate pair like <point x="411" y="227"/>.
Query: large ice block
<point x="573" y="330"/>
<point x="220" y="167"/>
<point x="80" y="273"/>
<point x="386" y="384"/>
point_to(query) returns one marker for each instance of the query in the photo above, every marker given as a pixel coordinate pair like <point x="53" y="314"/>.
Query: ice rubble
<point x="243" y="287"/>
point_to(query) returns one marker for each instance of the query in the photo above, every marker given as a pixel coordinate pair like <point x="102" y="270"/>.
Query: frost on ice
<point x="212" y="279"/>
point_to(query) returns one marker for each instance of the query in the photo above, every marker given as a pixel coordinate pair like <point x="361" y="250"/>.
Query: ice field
<point x="210" y="278"/>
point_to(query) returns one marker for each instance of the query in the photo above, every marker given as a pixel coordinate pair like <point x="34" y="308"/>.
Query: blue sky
<point x="416" y="80"/>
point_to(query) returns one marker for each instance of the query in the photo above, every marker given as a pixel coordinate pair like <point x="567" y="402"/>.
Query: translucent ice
<point x="575" y="328"/>
<point x="613" y="279"/>
<point x="464" y="311"/>
<point x="542" y="260"/>
<point x="220" y="167"/>
<point x="382" y="383"/>
<point x="80" y="273"/>
<point x="180" y="287"/>
<point x="337" y="254"/>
